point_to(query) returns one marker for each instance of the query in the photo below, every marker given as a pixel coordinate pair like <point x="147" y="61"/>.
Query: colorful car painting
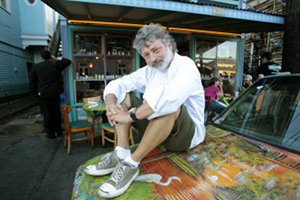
<point x="251" y="151"/>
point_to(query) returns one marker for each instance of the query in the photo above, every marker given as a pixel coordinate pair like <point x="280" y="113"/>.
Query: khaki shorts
<point x="181" y="134"/>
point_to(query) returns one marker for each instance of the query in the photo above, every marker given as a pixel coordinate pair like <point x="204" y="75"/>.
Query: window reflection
<point x="217" y="58"/>
<point x="227" y="50"/>
<point x="206" y="49"/>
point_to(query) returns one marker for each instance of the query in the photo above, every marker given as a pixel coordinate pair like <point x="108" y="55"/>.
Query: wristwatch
<point x="131" y="112"/>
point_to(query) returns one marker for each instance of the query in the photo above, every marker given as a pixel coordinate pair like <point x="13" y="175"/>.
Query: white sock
<point x="132" y="162"/>
<point x="122" y="152"/>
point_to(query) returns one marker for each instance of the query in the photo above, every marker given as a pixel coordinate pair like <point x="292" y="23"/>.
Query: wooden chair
<point x="95" y="120"/>
<point x="108" y="130"/>
<point x="76" y="127"/>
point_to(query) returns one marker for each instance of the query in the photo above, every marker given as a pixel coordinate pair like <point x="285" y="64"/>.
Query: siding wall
<point x="32" y="15"/>
<point x="10" y="25"/>
<point x="13" y="70"/>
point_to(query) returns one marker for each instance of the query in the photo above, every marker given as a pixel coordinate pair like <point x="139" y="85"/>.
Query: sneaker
<point x="119" y="181"/>
<point x="105" y="166"/>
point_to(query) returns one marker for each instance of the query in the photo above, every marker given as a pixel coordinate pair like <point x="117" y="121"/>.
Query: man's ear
<point x="170" y="45"/>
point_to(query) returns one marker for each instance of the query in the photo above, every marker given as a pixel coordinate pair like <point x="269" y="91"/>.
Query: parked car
<point x="251" y="151"/>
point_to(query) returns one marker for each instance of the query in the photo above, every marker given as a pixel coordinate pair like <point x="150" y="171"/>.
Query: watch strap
<point x="132" y="114"/>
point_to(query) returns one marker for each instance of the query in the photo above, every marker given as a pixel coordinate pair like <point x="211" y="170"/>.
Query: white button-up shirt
<point x="166" y="90"/>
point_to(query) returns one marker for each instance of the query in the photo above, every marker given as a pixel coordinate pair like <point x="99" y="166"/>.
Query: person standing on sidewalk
<point x="46" y="82"/>
<point x="267" y="67"/>
<point x="171" y="114"/>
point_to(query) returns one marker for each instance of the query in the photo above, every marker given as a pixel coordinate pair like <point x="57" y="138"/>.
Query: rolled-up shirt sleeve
<point x="180" y="84"/>
<point x="128" y="83"/>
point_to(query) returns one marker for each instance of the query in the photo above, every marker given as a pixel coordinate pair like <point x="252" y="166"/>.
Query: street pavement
<point x="33" y="167"/>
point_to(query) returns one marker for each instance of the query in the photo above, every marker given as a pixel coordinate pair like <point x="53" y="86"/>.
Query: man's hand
<point x="116" y="115"/>
<point x="111" y="110"/>
<point x="121" y="117"/>
<point x="111" y="107"/>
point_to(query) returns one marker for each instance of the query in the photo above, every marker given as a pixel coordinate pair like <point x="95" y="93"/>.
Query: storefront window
<point x="89" y="67"/>
<point x="227" y="59"/>
<point x="88" y="44"/>
<point x="97" y="59"/>
<point x="119" y="55"/>
<point x="205" y="57"/>
<point x="217" y="58"/>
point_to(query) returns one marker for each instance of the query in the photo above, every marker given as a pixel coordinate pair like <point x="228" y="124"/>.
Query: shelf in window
<point x="114" y="56"/>
<point x="89" y="79"/>
<point x="88" y="55"/>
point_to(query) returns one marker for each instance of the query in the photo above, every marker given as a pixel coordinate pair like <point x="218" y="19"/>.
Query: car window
<point x="269" y="111"/>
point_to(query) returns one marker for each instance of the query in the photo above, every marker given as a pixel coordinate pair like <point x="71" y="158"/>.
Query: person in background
<point x="172" y="113"/>
<point x="46" y="82"/>
<point x="228" y="88"/>
<point x="267" y="67"/>
<point x="214" y="90"/>
<point x="247" y="81"/>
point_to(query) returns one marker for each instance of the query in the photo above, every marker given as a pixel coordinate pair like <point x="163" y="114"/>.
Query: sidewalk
<point x="33" y="167"/>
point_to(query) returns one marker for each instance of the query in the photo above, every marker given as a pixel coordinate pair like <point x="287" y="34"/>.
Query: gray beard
<point x="166" y="61"/>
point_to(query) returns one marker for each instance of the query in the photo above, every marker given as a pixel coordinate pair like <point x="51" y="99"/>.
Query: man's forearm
<point x="110" y="99"/>
<point x="143" y="111"/>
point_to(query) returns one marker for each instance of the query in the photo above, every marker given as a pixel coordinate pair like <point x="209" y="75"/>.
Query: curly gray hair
<point x="151" y="32"/>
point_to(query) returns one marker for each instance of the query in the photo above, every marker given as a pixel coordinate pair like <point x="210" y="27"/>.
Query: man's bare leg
<point x="122" y="130"/>
<point x="108" y="164"/>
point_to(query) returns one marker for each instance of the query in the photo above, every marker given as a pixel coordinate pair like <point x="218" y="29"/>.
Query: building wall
<point x="10" y="25"/>
<point x="37" y="19"/>
<point x="31" y="16"/>
<point x="265" y="41"/>
<point x="13" y="72"/>
<point x="38" y="24"/>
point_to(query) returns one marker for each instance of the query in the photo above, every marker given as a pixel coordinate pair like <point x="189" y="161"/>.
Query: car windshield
<point x="268" y="111"/>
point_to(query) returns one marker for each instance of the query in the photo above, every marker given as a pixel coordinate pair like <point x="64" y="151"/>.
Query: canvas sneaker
<point x="119" y="181"/>
<point x="105" y="166"/>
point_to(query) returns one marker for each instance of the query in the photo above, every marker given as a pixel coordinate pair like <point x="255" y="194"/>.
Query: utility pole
<point x="291" y="46"/>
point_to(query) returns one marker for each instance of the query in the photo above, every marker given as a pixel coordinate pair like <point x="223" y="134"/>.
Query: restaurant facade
<point x="97" y="35"/>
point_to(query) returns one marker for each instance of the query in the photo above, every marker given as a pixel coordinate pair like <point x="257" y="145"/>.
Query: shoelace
<point x="118" y="173"/>
<point x="105" y="161"/>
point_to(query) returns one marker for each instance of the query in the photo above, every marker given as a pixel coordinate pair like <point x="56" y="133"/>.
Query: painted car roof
<point x="224" y="166"/>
